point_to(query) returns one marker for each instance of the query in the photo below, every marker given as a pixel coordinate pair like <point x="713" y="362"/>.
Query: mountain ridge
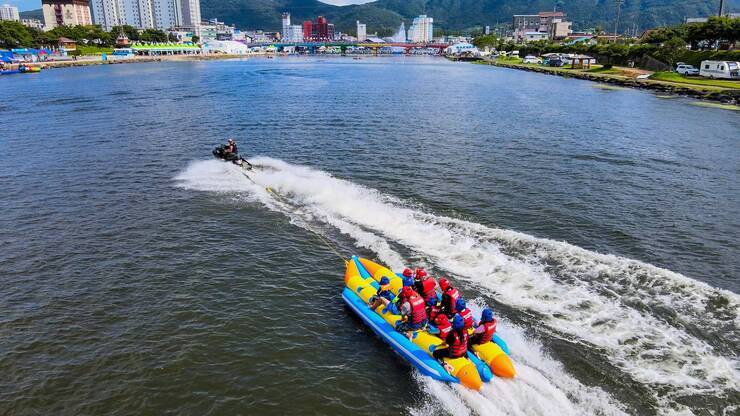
<point x="458" y="15"/>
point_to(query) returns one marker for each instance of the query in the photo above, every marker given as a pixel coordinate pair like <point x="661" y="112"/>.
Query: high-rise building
<point x="190" y="14"/>
<point x="8" y="12"/>
<point x="147" y="14"/>
<point x="361" y="31"/>
<point x="65" y="12"/>
<point x="286" y="25"/>
<point x="291" y="33"/>
<point x="421" y="29"/>
<point x="320" y="30"/>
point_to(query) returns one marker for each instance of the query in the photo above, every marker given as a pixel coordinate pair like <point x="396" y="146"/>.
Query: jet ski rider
<point x="230" y="150"/>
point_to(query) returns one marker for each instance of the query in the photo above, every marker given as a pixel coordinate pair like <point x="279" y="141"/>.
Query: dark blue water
<point x="139" y="276"/>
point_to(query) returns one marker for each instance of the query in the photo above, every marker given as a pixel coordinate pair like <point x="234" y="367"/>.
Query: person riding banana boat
<point x="457" y="349"/>
<point x="413" y="312"/>
<point x="456" y="343"/>
<point x="425" y="285"/>
<point x="450" y="295"/>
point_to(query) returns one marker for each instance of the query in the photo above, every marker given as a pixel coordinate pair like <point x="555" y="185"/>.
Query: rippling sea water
<point x="139" y="276"/>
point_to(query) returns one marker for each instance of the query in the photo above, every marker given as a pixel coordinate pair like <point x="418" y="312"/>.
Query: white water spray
<point x="574" y="300"/>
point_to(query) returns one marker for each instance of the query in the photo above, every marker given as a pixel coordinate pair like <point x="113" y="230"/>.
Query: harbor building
<point x="147" y="14"/>
<point x="212" y="29"/>
<point x="65" y="12"/>
<point x="8" y="12"/>
<point x="319" y="31"/>
<point x="291" y="33"/>
<point x="549" y="25"/>
<point x="361" y="32"/>
<point x="421" y="29"/>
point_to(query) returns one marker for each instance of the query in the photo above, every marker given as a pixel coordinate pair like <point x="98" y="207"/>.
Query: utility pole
<point x="616" y="22"/>
<point x="721" y="6"/>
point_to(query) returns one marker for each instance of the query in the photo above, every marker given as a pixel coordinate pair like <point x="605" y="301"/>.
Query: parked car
<point x="530" y="59"/>
<point x="720" y="69"/>
<point x="686" y="69"/>
<point x="555" y="62"/>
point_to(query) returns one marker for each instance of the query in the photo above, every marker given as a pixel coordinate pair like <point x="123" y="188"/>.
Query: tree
<point x="195" y="39"/>
<point x="672" y="49"/>
<point x="153" y="35"/>
<point x="14" y="35"/>
<point x="484" y="41"/>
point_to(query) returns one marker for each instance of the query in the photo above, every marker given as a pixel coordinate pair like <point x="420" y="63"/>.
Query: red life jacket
<point x="460" y="345"/>
<point x="428" y="286"/>
<point x="418" y="310"/>
<point x="467" y="315"/>
<point x="401" y="298"/>
<point x="433" y="312"/>
<point x="487" y="335"/>
<point x="444" y="330"/>
<point x="454" y="295"/>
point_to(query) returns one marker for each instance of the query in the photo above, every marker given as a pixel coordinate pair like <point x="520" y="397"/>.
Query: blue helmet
<point x="486" y="315"/>
<point x="460" y="304"/>
<point x="458" y="322"/>
<point x="432" y="301"/>
<point x="385" y="281"/>
<point x="408" y="281"/>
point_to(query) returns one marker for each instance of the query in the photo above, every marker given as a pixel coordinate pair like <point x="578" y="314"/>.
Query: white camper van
<point x="720" y="69"/>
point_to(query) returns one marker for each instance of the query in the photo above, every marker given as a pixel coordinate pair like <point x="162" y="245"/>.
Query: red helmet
<point x="441" y="319"/>
<point x="444" y="283"/>
<point x="406" y="291"/>
<point x="421" y="273"/>
<point x="407" y="272"/>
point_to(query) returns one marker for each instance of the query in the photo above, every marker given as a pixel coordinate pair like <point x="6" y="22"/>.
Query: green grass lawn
<point x="93" y="50"/>
<point x="509" y="60"/>
<point x="674" y="77"/>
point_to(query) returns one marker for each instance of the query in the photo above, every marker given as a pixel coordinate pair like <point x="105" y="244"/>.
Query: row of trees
<point x="666" y="44"/>
<point x="15" y="35"/>
<point x="717" y="32"/>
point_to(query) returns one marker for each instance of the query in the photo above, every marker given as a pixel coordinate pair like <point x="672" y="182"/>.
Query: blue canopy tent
<point x="25" y="51"/>
<point x="6" y="56"/>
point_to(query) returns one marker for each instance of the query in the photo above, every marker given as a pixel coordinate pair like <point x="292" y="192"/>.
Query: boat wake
<point x="673" y="337"/>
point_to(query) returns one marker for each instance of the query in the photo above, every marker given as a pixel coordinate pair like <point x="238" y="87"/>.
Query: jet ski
<point x="219" y="153"/>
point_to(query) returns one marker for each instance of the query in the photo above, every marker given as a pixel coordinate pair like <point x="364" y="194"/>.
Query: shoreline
<point x="711" y="93"/>
<point x="136" y="60"/>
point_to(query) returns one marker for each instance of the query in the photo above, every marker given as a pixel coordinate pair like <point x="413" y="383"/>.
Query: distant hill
<point x="457" y="15"/>
<point x="32" y="14"/>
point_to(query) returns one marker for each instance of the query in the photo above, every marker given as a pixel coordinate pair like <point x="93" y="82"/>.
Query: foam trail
<point x="590" y="297"/>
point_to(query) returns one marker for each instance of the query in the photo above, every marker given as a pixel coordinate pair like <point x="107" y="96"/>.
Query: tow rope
<point x="308" y="226"/>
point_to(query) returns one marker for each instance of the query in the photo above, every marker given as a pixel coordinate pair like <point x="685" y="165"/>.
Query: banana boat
<point x="361" y="283"/>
